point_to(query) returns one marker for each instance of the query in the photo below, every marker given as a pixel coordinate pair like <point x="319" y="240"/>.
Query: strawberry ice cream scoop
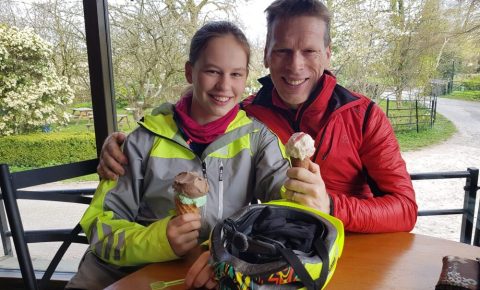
<point x="300" y="147"/>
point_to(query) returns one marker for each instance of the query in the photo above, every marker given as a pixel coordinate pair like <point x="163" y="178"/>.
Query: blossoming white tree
<point x="31" y="93"/>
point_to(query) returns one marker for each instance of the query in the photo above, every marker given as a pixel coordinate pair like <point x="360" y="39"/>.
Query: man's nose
<point x="296" y="61"/>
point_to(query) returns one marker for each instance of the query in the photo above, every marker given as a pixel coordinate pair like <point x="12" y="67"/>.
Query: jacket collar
<point x="162" y="122"/>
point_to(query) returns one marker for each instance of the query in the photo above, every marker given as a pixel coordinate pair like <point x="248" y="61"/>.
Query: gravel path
<point x="457" y="154"/>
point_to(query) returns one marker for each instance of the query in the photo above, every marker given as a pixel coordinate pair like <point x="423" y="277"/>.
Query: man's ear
<point x="188" y="72"/>
<point x="265" y="56"/>
<point x="328" y="53"/>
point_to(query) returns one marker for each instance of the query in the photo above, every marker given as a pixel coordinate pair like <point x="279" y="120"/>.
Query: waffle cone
<point x="296" y="162"/>
<point x="185" y="208"/>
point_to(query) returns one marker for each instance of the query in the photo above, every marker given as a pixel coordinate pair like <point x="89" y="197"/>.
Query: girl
<point x="131" y="222"/>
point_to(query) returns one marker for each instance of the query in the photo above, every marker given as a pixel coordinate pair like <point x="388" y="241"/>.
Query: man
<point x="357" y="173"/>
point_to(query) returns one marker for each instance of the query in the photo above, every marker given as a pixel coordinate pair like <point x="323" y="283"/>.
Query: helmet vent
<point x="240" y="241"/>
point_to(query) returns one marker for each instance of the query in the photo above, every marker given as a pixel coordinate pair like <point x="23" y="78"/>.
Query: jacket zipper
<point x="220" y="192"/>
<point x="317" y="150"/>
<point x="204" y="169"/>
<point x="204" y="209"/>
<point x="329" y="147"/>
<point x="308" y="102"/>
<point x="296" y="123"/>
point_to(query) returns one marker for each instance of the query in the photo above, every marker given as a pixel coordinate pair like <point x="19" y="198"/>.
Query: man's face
<point x="218" y="78"/>
<point x="296" y="56"/>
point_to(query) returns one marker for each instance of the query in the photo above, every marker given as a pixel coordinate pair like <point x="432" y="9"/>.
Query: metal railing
<point x="469" y="200"/>
<point x="467" y="211"/>
<point x="412" y="114"/>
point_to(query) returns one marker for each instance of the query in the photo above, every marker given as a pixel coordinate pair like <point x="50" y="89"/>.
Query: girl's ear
<point x="188" y="72"/>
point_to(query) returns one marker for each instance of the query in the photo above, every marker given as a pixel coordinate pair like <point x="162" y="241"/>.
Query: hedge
<point x="46" y="149"/>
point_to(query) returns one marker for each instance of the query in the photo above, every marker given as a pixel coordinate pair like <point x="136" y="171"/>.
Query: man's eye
<point x="310" y="51"/>
<point x="237" y="75"/>
<point x="213" y="72"/>
<point x="281" y="51"/>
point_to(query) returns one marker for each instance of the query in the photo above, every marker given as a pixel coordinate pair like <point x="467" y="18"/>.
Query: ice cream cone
<point x="300" y="147"/>
<point x="303" y="163"/>
<point x="185" y="208"/>
<point x="190" y="192"/>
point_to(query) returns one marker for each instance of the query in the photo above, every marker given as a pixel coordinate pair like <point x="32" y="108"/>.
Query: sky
<point x="251" y="14"/>
<point x="254" y="19"/>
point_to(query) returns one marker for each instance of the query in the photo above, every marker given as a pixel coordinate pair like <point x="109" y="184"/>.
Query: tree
<point x="61" y="23"/>
<point x="257" y="67"/>
<point x="387" y="45"/>
<point x="150" y="46"/>
<point x="358" y="45"/>
<point x="31" y="93"/>
<point x="460" y="52"/>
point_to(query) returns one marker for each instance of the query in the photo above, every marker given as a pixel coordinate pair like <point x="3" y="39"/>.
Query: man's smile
<point x="295" y="82"/>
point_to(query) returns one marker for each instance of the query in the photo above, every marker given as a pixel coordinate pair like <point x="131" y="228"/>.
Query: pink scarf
<point x="203" y="134"/>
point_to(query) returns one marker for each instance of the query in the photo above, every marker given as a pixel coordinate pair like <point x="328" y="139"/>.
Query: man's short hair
<point x="284" y="9"/>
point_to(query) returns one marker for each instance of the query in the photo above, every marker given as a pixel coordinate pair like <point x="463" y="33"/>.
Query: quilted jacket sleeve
<point x="392" y="208"/>
<point x="271" y="164"/>
<point x="109" y="221"/>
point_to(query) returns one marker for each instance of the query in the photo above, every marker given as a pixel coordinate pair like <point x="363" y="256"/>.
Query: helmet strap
<point x="300" y="270"/>
<point x="322" y="252"/>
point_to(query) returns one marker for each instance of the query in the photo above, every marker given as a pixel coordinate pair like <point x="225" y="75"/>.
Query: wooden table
<point x="122" y="119"/>
<point x="374" y="261"/>
<point x="82" y="113"/>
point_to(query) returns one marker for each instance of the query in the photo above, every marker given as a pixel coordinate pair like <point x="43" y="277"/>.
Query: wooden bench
<point x="122" y="119"/>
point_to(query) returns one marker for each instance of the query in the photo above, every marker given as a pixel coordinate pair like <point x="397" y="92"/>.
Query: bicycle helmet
<point x="276" y="245"/>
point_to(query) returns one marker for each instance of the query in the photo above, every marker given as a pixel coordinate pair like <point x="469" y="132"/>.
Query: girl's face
<point x="218" y="78"/>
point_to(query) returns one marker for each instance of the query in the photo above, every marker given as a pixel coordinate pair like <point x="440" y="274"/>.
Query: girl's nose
<point x="223" y="82"/>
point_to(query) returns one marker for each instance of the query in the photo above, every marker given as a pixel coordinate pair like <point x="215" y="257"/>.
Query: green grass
<point x="442" y="130"/>
<point x="464" y="95"/>
<point x="84" y="125"/>
<point x="409" y="139"/>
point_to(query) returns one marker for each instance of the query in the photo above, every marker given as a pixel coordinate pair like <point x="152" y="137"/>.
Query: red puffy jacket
<point x="356" y="148"/>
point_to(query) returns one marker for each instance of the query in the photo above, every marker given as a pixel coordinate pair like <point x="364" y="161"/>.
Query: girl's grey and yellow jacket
<point x="127" y="219"/>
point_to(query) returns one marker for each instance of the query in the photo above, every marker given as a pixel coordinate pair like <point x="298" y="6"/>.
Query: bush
<point x="465" y="95"/>
<point x="467" y="83"/>
<point x="32" y="94"/>
<point x="40" y="150"/>
<point x="471" y="85"/>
